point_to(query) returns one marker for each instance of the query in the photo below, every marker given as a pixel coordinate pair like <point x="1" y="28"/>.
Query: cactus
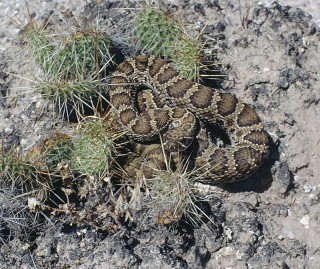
<point x="170" y="196"/>
<point x="81" y="57"/>
<point x="54" y="151"/>
<point x="92" y="149"/>
<point x="156" y="31"/>
<point x="21" y="173"/>
<point x="166" y="197"/>
<point x="70" y="67"/>
<point x="39" y="46"/>
<point x="160" y="33"/>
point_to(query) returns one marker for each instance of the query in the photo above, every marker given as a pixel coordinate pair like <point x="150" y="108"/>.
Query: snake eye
<point x="176" y="123"/>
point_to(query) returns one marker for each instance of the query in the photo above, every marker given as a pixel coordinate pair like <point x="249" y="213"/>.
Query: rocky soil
<point x="270" y="58"/>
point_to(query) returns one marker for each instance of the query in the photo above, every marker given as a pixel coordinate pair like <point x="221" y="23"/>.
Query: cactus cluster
<point x="159" y="33"/>
<point x="156" y="31"/>
<point x="62" y="168"/>
<point x="72" y="70"/>
<point x="171" y="196"/>
<point x="21" y="172"/>
<point x="92" y="149"/>
<point x="71" y="67"/>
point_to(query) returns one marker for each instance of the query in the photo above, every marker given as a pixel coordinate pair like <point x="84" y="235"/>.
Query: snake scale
<point x="176" y="97"/>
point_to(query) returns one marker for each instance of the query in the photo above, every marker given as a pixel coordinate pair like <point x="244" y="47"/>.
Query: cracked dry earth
<point x="271" y="61"/>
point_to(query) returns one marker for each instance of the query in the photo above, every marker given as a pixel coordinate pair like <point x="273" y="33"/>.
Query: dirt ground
<point x="270" y="56"/>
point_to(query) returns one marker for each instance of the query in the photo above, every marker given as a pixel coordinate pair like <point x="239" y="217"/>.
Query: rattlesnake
<point x="177" y="95"/>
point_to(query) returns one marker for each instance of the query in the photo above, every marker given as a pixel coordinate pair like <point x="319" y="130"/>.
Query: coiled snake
<point x="176" y="102"/>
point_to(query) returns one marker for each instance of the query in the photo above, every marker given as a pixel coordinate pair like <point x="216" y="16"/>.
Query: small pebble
<point x="305" y="220"/>
<point x="24" y="142"/>
<point x="308" y="188"/>
<point x="8" y="130"/>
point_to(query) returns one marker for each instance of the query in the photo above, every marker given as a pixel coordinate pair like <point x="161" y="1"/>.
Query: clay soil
<point x="270" y="58"/>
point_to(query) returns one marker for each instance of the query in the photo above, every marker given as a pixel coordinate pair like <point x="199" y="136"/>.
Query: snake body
<point x="177" y="95"/>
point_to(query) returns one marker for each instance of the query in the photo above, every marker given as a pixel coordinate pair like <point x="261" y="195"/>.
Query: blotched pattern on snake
<point x="175" y="104"/>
